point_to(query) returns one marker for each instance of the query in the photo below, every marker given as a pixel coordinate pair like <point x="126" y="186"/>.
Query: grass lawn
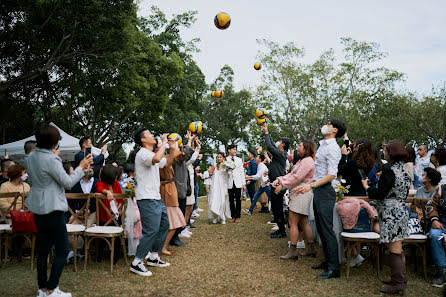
<point x="219" y="260"/>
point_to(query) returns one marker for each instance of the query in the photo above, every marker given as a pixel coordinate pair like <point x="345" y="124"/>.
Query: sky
<point x="411" y="32"/>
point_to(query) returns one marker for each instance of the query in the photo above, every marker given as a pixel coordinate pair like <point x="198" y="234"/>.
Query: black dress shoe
<point x="323" y="266"/>
<point x="177" y="242"/>
<point x="278" y="234"/>
<point x="330" y="274"/>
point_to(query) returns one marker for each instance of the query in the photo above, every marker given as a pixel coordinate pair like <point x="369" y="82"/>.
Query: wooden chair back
<point x="121" y="208"/>
<point x="85" y="206"/>
<point x="4" y="215"/>
<point x="421" y="204"/>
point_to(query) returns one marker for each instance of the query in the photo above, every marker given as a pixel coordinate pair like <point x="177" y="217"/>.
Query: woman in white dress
<point x="218" y="200"/>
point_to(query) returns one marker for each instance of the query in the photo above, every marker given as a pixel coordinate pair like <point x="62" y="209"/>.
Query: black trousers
<point x="235" y="194"/>
<point x="251" y="187"/>
<point x="51" y="230"/>
<point x="182" y="206"/>
<point x="323" y="203"/>
<point x="277" y="208"/>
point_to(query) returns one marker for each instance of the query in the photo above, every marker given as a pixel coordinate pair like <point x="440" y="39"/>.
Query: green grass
<point x="219" y="260"/>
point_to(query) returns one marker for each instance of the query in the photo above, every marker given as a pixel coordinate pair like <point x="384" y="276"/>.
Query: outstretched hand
<point x="264" y="127"/>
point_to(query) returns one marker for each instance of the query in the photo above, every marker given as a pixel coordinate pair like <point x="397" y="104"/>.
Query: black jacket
<point x="349" y="170"/>
<point x="277" y="167"/>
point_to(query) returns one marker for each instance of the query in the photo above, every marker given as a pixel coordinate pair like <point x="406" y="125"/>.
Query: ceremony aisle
<point x="219" y="260"/>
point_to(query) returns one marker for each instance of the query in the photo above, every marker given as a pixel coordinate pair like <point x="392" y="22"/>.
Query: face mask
<point x="25" y="176"/>
<point x="89" y="174"/>
<point x="277" y="144"/>
<point x="325" y="130"/>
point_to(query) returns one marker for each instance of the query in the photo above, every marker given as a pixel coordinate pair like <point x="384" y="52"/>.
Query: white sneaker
<point x="271" y="223"/>
<point x="223" y="222"/>
<point x="157" y="263"/>
<point x="192" y="221"/>
<point x="188" y="231"/>
<point x="40" y="293"/>
<point x="275" y="228"/>
<point x="183" y="234"/>
<point x="300" y="244"/>
<point x="58" y="293"/>
<point x="214" y="221"/>
<point x="195" y="214"/>
<point x="199" y="210"/>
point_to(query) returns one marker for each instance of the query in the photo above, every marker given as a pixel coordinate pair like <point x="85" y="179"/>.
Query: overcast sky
<point x="412" y="32"/>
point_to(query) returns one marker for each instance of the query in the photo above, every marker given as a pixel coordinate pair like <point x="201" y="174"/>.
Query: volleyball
<point x="259" y="149"/>
<point x="218" y="93"/>
<point x="176" y="137"/>
<point x="222" y="20"/>
<point x="258" y="66"/>
<point x="261" y="113"/>
<point x="261" y="121"/>
<point x="213" y="94"/>
<point x="196" y="127"/>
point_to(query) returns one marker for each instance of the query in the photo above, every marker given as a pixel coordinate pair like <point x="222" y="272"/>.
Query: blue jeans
<point x="197" y="188"/>
<point x="438" y="253"/>
<point x="259" y="192"/>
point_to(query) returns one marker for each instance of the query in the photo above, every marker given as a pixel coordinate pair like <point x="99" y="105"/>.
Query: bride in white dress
<point x="218" y="200"/>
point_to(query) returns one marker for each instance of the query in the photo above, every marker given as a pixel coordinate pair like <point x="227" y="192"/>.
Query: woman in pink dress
<point x="299" y="203"/>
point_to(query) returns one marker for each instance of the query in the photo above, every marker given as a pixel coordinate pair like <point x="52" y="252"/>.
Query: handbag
<point x="23" y="221"/>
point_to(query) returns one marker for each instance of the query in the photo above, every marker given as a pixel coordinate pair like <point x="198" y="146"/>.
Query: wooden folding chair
<point x="5" y="225"/>
<point x="369" y="238"/>
<point x="109" y="231"/>
<point x="75" y="227"/>
<point x="419" y="241"/>
<point x="10" y="235"/>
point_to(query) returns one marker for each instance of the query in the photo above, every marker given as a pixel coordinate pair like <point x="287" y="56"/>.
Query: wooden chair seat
<point x="5" y="228"/>
<point x="361" y="235"/>
<point x="73" y="228"/>
<point x="414" y="237"/>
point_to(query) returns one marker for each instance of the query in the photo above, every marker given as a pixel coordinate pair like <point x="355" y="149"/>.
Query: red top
<point x="101" y="186"/>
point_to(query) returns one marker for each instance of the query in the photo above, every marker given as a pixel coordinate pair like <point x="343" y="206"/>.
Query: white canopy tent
<point x="69" y="146"/>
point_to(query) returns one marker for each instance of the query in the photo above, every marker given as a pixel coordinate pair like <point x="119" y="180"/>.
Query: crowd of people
<point x="166" y="177"/>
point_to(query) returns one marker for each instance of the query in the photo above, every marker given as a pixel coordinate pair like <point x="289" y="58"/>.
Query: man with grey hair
<point x="422" y="161"/>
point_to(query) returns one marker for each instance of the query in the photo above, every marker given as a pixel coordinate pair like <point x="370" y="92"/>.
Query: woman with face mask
<point x="16" y="183"/>
<point x="430" y="179"/>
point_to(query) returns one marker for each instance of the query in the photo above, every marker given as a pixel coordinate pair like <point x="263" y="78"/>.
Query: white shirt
<point x="86" y="186"/>
<point x="327" y="159"/>
<point x="207" y="178"/>
<point x="422" y="163"/>
<point x="147" y="175"/>
<point x="261" y="168"/>
<point x="442" y="170"/>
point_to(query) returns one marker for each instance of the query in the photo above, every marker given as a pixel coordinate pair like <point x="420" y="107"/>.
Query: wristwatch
<point x="312" y="186"/>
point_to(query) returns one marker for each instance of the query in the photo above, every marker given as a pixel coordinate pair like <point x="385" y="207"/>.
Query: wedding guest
<point x="391" y="193"/>
<point x="219" y="208"/>
<point x="190" y="199"/>
<point x="252" y="170"/>
<point x="207" y="178"/>
<point x="48" y="203"/>
<point x="430" y="180"/>
<point x="423" y="160"/>
<point x="409" y="164"/>
<point x="265" y="187"/>
<point x="169" y="195"/>
<point x="16" y="183"/>
<point x="6" y="163"/>
<point x="86" y="185"/>
<point x="377" y="167"/>
<point x="327" y="159"/>
<point x="28" y="147"/>
<point x="356" y="168"/>
<point x="84" y="143"/>
<point x="276" y="168"/>
<point x="236" y="183"/>
<point x="154" y="219"/>
<point x="299" y="204"/>
<point x="438" y="159"/>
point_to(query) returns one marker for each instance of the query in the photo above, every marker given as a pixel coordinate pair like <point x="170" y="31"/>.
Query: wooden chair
<point x="369" y="238"/>
<point x="419" y="241"/>
<point x="75" y="227"/>
<point x="109" y="231"/>
<point x="5" y="225"/>
<point x="10" y="235"/>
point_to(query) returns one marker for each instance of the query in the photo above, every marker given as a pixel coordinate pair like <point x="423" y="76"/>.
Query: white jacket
<point x="236" y="175"/>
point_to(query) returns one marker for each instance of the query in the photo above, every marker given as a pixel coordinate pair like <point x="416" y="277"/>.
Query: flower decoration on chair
<point x="341" y="191"/>
<point x="129" y="187"/>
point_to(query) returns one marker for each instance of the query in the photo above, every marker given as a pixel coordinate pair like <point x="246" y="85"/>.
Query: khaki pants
<point x="208" y="188"/>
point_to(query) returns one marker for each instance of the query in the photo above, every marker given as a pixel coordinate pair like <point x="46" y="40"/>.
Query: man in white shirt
<point x="262" y="174"/>
<point x="327" y="159"/>
<point x="422" y="161"/>
<point x="154" y="220"/>
<point x="236" y="183"/>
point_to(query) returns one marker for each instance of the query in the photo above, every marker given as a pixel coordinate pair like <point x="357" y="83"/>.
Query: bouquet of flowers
<point x="129" y="187"/>
<point x="340" y="191"/>
<point x="228" y="165"/>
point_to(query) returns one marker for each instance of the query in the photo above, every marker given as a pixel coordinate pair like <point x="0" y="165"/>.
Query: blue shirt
<point x="252" y="167"/>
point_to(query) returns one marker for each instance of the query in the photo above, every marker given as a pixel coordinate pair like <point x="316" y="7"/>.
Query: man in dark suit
<point x="85" y="142"/>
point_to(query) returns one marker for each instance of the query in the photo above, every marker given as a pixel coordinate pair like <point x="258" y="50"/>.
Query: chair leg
<point x="112" y="253"/>
<point x="6" y="249"/>
<point x="75" y="252"/>
<point x="376" y="247"/>
<point x="349" y="251"/>
<point x="33" y="246"/>
<point x="424" y="261"/>
<point x="87" y="242"/>
<point x="124" y="250"/>
<point x="1" y="242"/>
